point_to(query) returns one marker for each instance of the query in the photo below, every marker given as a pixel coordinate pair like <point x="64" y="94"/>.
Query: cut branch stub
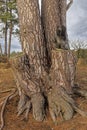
<point x="69" y="4"/>
<point x="62" y="71"/>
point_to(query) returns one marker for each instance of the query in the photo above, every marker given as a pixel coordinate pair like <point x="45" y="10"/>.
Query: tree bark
<point x="33" y="48"/>
<point x="10" y="35"/>
<point x="41" y="41"/>
<point x="54" y="24"/>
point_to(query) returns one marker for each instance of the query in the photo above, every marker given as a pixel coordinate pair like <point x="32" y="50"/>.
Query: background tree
<point x="79" y="47"/>
<point x="0" y="50"/>
<point x="8" y="17"/>
<point x="12" y="21"/>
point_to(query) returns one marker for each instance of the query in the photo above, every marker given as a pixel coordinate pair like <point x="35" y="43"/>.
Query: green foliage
<point x="8" y="18"/>
<point x="8" y="12"/>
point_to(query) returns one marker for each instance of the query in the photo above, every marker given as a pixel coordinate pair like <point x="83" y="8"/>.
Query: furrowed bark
<point x="54" y="23"/>
<point x="33" y="48"/>
<point x="45" y="44"/>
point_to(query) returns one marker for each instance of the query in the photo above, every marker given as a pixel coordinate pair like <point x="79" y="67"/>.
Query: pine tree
<point x="9" y="18"/>
<point x="45" y="72"/>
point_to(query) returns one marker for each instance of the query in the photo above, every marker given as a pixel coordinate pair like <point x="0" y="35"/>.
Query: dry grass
<point x="15" y="123"/>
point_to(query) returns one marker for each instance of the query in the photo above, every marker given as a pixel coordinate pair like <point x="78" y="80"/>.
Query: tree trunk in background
<point x="0" y="50"/>
<point x="10" y="37"/>
<point x="6" y="30"/>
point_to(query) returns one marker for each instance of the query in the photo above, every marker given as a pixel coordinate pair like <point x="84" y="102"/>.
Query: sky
<point x="77" y="20"/>
<point x="76" y="24"/>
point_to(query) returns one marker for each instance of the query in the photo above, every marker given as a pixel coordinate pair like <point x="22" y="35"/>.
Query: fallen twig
<point x="5" y="91"/>
<point x="9" y="97"/>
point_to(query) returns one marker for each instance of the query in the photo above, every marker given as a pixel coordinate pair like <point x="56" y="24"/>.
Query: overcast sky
<point x="77" y="20"/>
<point x="76" y="23"/>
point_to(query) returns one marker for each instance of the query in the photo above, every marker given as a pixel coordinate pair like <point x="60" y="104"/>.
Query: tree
<point x="6" y="28"/>
<point x="32" y="42"/>
<point x="9" y="18"/>
<point x="40" y="84"/>
<point x="12" y="21"/>
<point x="0" y="50"/>
<point x="52" y="82"/>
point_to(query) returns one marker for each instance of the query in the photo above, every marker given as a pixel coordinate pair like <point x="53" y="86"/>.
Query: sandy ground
<point x="12" y="122"/>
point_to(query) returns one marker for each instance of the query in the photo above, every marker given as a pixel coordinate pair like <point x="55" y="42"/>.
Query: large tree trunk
<point x="54" y="24"/>
<point x="37" y="86"/>
<point x="32" y="42"/>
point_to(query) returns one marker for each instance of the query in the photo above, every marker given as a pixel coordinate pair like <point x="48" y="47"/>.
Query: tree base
<point x="57" y="86"/>
<point x="59" y="106"/>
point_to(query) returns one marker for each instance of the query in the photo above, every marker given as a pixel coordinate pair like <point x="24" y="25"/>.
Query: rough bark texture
<point x="29" y="89"/>
<point x="54" y="23"/>
<point x="63" y="69"/>
<point x="37" y="86"/>
<point x="32" y="42"/>
<point x="55" y="86"/>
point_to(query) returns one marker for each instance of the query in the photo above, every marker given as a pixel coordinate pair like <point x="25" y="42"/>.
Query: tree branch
<point x="69" y="4"/>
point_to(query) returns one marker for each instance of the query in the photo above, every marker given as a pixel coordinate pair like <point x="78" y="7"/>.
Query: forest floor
<point x="12" y="122"/>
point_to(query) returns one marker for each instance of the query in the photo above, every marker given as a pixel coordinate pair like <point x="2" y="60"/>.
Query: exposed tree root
<point x="38" y="105"/>
<point x="32" y="89"/>
<point x="80" y="92"/>
<point x="37" y="102"/>
<point x="9" y="97"/>
<point x="70" y="100"/>
<point x="62" y="103"/>
<point x="57" y="105"/>
<point x="29" y="91"/>
<point x="2" y="113"/>
<point x="24" y="105"/>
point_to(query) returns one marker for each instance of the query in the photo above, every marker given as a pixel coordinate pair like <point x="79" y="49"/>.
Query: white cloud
<point x="77" y="20"/>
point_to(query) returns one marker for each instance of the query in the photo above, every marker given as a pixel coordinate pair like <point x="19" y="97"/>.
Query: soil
<point x="12" y="122"/>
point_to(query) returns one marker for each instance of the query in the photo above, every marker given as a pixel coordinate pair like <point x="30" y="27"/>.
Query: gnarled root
<point x="24" y="105"/>
<point x="57" y="105"/>
<point x="79" y="91"/>
<point x="38" y="103"/>
<point x="62" y="103"/>
<point x="9" y="97"/>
